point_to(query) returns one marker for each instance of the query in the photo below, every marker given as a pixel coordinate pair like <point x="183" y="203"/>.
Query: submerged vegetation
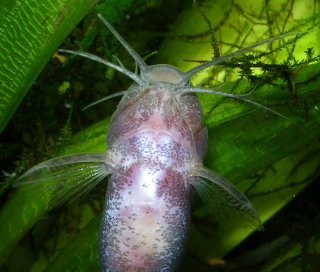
<point x="271" y="159"/>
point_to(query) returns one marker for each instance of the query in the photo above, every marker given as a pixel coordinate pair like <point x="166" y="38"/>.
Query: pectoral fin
<point x="224" y="200"/>
<point x="66" y="178"/>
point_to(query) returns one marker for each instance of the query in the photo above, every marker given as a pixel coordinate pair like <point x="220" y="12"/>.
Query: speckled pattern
<point x="153" y="137"/>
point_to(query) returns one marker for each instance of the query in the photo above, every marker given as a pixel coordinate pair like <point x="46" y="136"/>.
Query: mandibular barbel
<point x="156" y="145"/>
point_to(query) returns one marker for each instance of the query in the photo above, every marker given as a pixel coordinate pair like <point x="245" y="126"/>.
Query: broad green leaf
<point x="30" y="32"/>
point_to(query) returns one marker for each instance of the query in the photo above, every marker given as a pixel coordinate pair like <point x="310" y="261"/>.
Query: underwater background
<point x="273" y="160"/>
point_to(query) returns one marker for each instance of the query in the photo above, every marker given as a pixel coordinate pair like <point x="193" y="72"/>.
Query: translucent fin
<point x="66" y="178"/>
<point x="225" y="201"/>
<point x="129" y="49"/>
<point x="122" y="70"/>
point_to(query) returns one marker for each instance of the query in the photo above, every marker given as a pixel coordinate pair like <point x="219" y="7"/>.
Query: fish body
<point x="156" y="145"/>
<point x="152" y="143"/>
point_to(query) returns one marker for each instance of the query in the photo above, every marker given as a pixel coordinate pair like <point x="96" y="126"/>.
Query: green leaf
<point x="30" y="32"/>
<point x="82" y="248"/>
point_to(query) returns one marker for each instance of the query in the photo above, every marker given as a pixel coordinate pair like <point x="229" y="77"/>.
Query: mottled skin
<point x="154" y="138"/>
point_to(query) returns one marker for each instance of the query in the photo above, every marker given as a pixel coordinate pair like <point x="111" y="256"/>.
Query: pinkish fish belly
<point x="147" y="212"/>
<point x="146" y="217"/>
